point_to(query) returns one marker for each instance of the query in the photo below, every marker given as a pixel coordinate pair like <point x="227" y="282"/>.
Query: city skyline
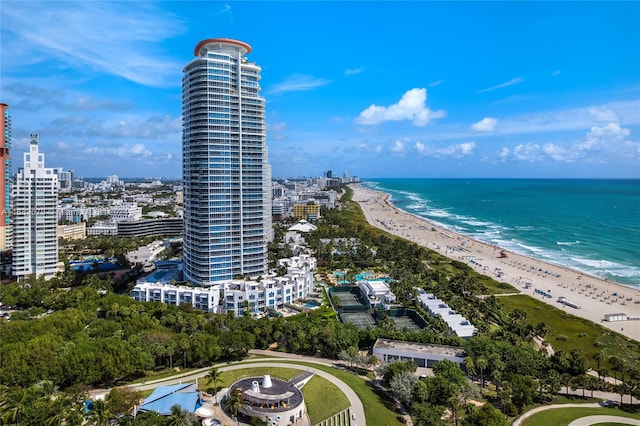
<point x="377" y="89"/>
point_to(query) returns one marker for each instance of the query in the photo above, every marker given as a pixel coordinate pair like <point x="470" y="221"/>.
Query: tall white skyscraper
<point x="227" y="179"/>
<point x="35" y="199"/>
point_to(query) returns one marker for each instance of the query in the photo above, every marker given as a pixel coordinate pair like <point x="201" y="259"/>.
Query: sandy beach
<point x="596" y="297"/>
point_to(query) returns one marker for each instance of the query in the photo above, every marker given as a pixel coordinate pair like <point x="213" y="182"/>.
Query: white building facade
<point x="35" y="199"/>
<point x="227" y="180"/>
<point x="259" y="295"/>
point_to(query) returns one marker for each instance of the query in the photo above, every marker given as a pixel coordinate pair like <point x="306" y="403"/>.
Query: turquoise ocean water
<point x="592" y="226"/>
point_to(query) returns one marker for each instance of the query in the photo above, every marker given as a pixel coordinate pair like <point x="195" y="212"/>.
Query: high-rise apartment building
<point x="227" y="179"/>
<point x="5" y="178"/>
<point x="35" y="198"/>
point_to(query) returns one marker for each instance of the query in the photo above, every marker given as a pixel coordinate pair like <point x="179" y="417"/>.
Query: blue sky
<point x="374" y="89"/>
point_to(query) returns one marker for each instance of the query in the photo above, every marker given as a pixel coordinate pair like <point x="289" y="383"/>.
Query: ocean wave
<point x="598" y="263"/>
<point x="567" y="243"/>
<point x="438" y="213"/>
<point x="473" y="222"/>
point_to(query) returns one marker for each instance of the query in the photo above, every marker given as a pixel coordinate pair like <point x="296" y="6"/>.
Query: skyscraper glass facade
<point x="227" y="178"/>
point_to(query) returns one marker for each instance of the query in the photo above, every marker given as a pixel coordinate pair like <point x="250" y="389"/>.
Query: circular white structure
<point x="274" y="401"/>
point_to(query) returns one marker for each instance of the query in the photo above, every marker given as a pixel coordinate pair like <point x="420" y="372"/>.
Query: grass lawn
<point x="163" y="374"/>
<point x="574" y="332"/>
<point x="323" y="399"/>
<point x="564" y="416"/>
<point x="376" y="412"/>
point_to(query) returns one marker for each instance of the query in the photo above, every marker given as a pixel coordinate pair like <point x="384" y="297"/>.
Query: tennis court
<point x="406" y="323"/>
<point x="361" y="320"/>
<point x="347" y="299"/>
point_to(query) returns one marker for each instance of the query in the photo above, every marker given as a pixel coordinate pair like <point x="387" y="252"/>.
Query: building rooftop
<point x="279" y="396"/>
<point x="405" y="346"/>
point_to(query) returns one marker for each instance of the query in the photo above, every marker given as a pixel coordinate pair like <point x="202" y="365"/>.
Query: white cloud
<point x="456" y="151"/>
<point x="487" y="124"/>
<point x="410" y="107"/>
<point x="436" y="83"/>
<point x="377" y="149"/>
<point x="297" y="83"/>
<point x="120" y="38"/>
<point x="511" y="82"/>
<point x="603" y="114"/>
<point x="556" y="72"/>
<point x="353" y="71"/>
<point x="397" y="148"/>
<point x="527" y="152"/>
<point x="601" y="144"/>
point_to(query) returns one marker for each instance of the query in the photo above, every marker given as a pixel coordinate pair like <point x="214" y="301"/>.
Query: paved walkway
<point x="519" y="420"/>
<point x="592" y="420"/>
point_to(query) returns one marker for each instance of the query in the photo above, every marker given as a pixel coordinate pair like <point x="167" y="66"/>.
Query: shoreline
<point x="596" y="296"/>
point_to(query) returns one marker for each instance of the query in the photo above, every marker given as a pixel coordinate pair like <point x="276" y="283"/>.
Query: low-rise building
<point x="456" y="322"/>
<point x="378" y="293"/>
<point x="77" y="231"/>
<point x="424" y="355"/>
<point x="257" y="294"/>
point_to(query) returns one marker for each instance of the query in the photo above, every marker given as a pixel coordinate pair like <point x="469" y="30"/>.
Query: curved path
<point x="519" y="420"/>
<point x="592" y="420"/>
<point x="357" y="407"/>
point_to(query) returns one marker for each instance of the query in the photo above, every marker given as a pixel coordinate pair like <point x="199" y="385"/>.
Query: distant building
<point x="6" y="230"/>
<point x="76" y="231"/>
<point x="35" y="198"/>
<point x="103" y="228"/>
<point x="144" y="228"/>
<point x="126" y="212"/>
<point x="424" y="355"/>
<point x="309" y="210"/>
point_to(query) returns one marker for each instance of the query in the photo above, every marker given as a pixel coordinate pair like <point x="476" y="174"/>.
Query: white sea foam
<point x="477" y="223"/>
<point x="600" y="264"/>
<point x="567" y="243"/>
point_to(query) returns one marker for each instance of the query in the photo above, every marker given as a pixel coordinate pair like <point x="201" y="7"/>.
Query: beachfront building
<point x="227" y="180"/>
<point x="456" y="322"/>
<point x="258" y="295"/>
<point x="35" y="198"/>
<point x="424" y="355"/>
<point x="276" y="402"/>
<point x="6" y="230"/>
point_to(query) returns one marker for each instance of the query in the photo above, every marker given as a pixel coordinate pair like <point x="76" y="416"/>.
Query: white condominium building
<point x="126" y="212"/>
<point x="266" y="292"/>
<point x="35" y="198"/>
<point x="227" y="179"/>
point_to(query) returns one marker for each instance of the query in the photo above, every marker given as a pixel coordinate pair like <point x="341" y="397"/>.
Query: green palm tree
<point x="213" y="376"/>
<point x="179" y="417"/>
<point x="235" y="401"/>
<point x="100" y="413"/>
<point x="14" y="402"/>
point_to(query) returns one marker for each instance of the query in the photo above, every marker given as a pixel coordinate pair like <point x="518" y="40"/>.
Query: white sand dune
<point x="596" y="296"/>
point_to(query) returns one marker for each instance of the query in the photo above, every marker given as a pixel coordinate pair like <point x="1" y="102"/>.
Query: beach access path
<point x="596" y="297"/>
